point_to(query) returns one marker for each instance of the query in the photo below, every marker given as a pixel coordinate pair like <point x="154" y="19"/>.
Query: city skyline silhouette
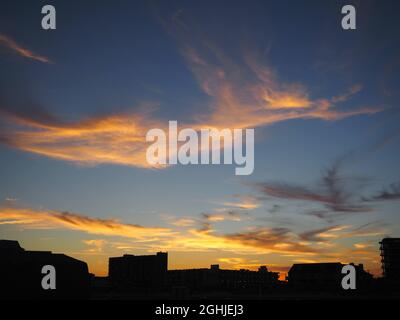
<point x="148" y="276"/>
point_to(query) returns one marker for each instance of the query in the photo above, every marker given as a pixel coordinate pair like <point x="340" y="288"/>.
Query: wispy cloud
<point x="259" y="240"/>
<point x="47" y="219"/>
<point x="226" y="215"/>
<point x="329" y="233"/>
<point x="22" y="51"/>
<point x="244" y="92"/>
<point x="242" y="202"/>
<point x="338" y="193"/>
<point x="361" y="245"/>
<point x="182" y="222"/>
<point x="321" y="234"/>
<point x="95" y="245"/>
<point x="247" y="93"/>
<point x="255" y="240"/>
<point x="272" y="240"/>
<point x="114" y="139"/>
<point x="369" y="229"/>
<point x="390" y="193"/>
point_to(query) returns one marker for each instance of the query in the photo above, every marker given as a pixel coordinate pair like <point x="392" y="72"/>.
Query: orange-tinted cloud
<point x="95" y="245"/>
<point x="243" y="203"/>
<point x="115" y="139"/>
<point x="224" y="215"/>
<point x="284" y="245"/>
<point x="244" y="94"/>
<point x="46" y="219"/>
<point x="242" y="243"/>
<point x="257" y="241"/>
<point x="22" y="51"/>
<point x="330" y="233"/>
<point x="250" y="94"/>
<point x="272" y="240"/>
<point x="182" y="222"/>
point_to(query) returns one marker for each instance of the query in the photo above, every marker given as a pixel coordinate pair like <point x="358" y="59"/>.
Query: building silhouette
<point x="214" y="278"/>
<point x="21" y="273"/>
<point x="140" y="273"/>
<point x="324" y="276"/>
<point x="136" y="276"/>
<point x="390" y="254"/>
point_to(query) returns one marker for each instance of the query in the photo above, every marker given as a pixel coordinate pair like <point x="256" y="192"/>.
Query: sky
<point x="76" y="103"/>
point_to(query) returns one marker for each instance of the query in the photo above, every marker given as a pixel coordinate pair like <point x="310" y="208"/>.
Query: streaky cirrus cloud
<point x="329" y="233"/>
<point x="339" y="194"/>
<point x="95" y="245"/>
<point x="272" y="240"/>
<point x="254" y="240"/>
<point x="112" y="139"/>
<point x="257" y="241"/>
<point x="336" y="192"/>
<point x="321" y="234"/>
<point x="242" y="202"/>
<point x="244" y="93"/>
<point x="22" y="51"/>
<point x="47" y="219"/>
<point x="391" y="192"/>
<point x="224" y="215"/>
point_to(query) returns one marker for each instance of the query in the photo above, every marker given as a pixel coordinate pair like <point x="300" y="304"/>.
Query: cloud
<point x="287" y="191"/>
<point x="369" y="229"/>
<point x="226" y="215"/>
<point x="390" y="193"/>
<point x="46" y="219"/>
<point x="113" y="139"/>
<point x="249" y="94"/>
<point x="272" y="240"/>
<point x="336" y="192"/>
<point x="339" y="194"/>
<point x="95" y="245"/>
<point x="321" y="234"/>
<point x="387" y="139"/>
<point x="243" y="203"/>
<point x="361" y="245"/>
<point x="242" y="91"/>
<point x="328" y="233"/>
<point x="254" y="240"/>
<point x="21" y="51"/>
<point x="244" y="263"/>
<point x="344" y="97"/>
<point x="182" y="222"/>
<point x="275" y="208"/>
<point x="235" y="261"/>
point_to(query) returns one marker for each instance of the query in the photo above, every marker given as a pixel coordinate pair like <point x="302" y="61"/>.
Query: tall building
<point x="138" y="272"/>
<point x="390" y="254"/>
<point x="21" y="274"/>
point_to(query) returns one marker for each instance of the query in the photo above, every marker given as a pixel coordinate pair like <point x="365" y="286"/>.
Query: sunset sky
<point x="76" y="103"/>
